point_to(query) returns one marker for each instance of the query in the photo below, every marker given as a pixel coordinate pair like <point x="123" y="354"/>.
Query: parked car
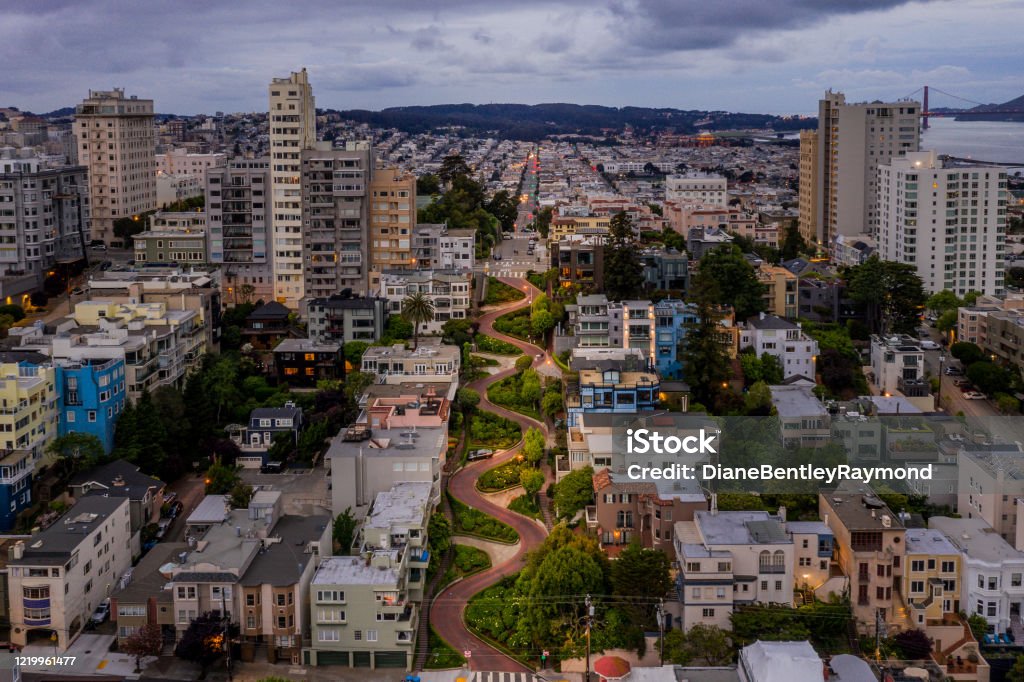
<point x="98" y="247"/>
<point x="962" y="383"/>
<point x="474" y="455"/>
<point x="272" y="468"/>
<point x="956" y="437"/>
<point x="497" y="256"/>
<point x="162" y="527"/>
<point x="170" y="497"/>
<point x="974" y="395"/>
<point x="928" y="344"/>
<point x="101" y="613"/>
<point x="954" y="372"/>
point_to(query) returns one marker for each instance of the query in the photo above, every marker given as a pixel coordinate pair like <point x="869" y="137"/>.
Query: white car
<point x="974" y="395"/>
<point x="930" y="345"/>
<point x="956" y="437"/>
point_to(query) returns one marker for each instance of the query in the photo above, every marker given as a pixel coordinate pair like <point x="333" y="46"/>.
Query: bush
<point x="509" y="393"/>
<point x="488" y="430"/>
<point x="442" y="655"/>
<point x="499" y="292"/>
<point x="527" y="506"/>
<point x="516" y="323"/>
<point x="469" y="560"/>
<point x="489" y="344"/>
<point x="501" y="477"/>
<point x="471" y="521"/>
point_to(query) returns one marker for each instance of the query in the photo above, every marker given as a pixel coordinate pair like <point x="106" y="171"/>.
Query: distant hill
<point x="532" y="122"/>
<point x="977" y="113"/>
<point x="59" y="113"/>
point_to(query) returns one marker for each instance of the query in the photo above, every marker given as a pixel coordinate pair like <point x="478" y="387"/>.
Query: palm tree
<point x="416" y="310"/>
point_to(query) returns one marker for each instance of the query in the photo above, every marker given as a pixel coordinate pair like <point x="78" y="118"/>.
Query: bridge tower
<point x="924" y="111"/>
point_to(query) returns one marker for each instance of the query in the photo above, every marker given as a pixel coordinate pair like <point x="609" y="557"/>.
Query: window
<point x="186" y="592"/>
<point x="328" y="635"/>
<point x="949" y="567"/>
<point x="131" y="610"/>
<point x="371" y="635"/>
<point x="282" y="622"/>
<point x="250" y="622"/>
<point x="917" y="565"/>
<point x="1014" y="579"/>
<point x="357" y="635"/>
<point x="916" y="586"/>
<point x="708" y="613"/>
<point x="280" y="600"/>
<point x="250" y="600"/>
<point x="330" y="595"/>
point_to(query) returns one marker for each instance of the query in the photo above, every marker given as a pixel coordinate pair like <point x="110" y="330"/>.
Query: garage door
<point x="332" y="658"/>
<point x="361" y="659"/>
<point x="391" y="659"/>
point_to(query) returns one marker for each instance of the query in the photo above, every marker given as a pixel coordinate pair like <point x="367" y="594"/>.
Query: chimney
<point x="18" y="551"/>
<point x="782" y="513"/>
<point x="119" y="480"/>
<point x="761" y="314"/>
<point x="714" y="504"/>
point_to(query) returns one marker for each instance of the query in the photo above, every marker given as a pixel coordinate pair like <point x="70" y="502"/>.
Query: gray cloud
<point x="193" y="55"/>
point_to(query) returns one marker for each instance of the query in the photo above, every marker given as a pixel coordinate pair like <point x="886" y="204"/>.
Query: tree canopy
<point x="736" y="280"/>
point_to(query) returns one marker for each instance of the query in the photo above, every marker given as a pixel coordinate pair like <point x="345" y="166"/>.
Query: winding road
<point x="446" y="613"/>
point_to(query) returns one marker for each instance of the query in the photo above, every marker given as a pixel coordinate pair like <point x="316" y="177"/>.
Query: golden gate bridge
<point x="927" y="113"/>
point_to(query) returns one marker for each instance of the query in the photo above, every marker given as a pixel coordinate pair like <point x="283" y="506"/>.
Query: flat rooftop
<point x="400" y="442"/>
<point x="741" y="528"/>
<point x="976" y="539"/>
<point x="796" y="401"/>
<point x="355" y="570"/>
<point x="55" y="544"/>
<point x="147" y="580"/>
<point x="861" y="511"/>
<point x="401" y="508"/>
<point x="928" y="541"/>
<point x="281" y="564"/>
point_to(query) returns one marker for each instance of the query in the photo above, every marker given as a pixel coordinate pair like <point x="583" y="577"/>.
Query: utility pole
<point x="590" y="622"/>
<point x="227" y="632"/>
<point x="661" y="629"/>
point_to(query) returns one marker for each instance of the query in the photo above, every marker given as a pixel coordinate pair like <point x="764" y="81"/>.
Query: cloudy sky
<point x="774" y="56"/>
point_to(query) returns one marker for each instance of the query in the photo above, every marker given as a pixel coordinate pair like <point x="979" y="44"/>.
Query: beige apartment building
<point x="60" y="575"/>
<point x="870" y="550"/>
<point x="292" y="129"/>
<point x="335" y="215"/>
<point x="116" y="142"/>
<point x="853" y="140"/>
<point x="808" y="182"/>
<point x="392" y="220"/>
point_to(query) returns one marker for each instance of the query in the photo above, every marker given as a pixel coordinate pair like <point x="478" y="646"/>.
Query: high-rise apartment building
<point x="334" y="215"/>
<point x="853" y="139"/>
<point x="392" y="220"/>
<point x="239" y="227"/>
<point x="808" y="185"/>
<point x="292" y="129"/>
<point x="43" y="216"/>
<point x="949" y="223"/>
<point x="116" y="142"/>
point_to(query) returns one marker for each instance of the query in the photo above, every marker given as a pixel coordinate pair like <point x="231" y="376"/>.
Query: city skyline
<point x="739" y="57"/>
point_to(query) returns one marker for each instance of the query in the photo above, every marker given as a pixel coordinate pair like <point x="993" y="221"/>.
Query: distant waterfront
<point x="982" y="140"/>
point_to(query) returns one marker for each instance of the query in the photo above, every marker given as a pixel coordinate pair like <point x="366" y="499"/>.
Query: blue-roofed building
<point x="91" y="396"/>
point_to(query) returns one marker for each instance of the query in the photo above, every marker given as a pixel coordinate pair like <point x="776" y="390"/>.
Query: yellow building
<point x="808" y="191"/>
<point x="564" y="226"/>
<point x="392" y="220"/>
<point x="28" y="409"/>
<point x="780" y="296"/>
<point x="931" y="583"/>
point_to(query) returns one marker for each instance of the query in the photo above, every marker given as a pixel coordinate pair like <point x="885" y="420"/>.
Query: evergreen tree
<point x="736" y="280"/>
<point x="705" y="362"/>
<point x="640" y="577"/>
<point x="890" y="294"/>
<point x="623" y="274"/>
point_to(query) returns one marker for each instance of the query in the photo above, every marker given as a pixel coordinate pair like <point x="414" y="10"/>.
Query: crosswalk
<point x="504" y="677"/>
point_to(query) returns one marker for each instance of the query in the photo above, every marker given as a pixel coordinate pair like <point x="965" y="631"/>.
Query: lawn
<point x="498" y="292"/>
<point x="489" y="344"/>
<point x="500" y="478"/>
<point x="442" y="656"/>
<point x="469" y="521"/>
<point x="488" y="430"/>
<point x="527" y="507"/>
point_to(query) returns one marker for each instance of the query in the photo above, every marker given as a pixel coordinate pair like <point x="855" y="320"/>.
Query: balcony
<point x="405" y="638"/>
<point x="37" y="622"/>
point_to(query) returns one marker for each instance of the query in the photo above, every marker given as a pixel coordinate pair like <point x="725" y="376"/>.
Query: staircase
<point x="545" y="501"/>
<point x="1017" y="629"/>
<point x="423" y="631"/>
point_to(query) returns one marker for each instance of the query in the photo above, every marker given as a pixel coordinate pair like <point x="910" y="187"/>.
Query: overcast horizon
<point x="741" y="55"/>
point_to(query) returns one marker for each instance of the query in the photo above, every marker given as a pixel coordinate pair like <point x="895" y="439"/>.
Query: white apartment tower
<point x="117" y="144"/>
<point x="853" y="139"/>
<point x="949" y="223"/>
<point x="292" y="129"/>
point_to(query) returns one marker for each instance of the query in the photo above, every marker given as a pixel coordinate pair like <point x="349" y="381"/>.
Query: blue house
<point x="91" y="396"/>
<point x="608" y="388"/>
<point x="672" y="319"/>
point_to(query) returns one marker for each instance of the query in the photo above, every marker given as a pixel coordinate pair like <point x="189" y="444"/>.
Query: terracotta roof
<point x="611" y="667"/>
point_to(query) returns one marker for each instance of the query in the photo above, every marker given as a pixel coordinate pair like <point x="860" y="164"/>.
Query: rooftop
<point x="306" y="346"/>
<point x="147" y="578"/>
<point x="54" y="544"/>
<point x="212" y="509"/>
<point x="400" y="442"/>
<point x="281" y="564"/>
<point x="976" y="539"/>
<point x="861" y="510"/>
<point x="741" y="528"/>
<point x="117" y="479"/>
<point x="355" y="570"/>
<point x="928" y="541"/>
<point x="783" y="661"/>
<point x="401" y="508"/>
<point x="796" y="401"/>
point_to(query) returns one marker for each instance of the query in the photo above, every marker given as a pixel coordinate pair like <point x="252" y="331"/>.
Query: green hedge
<point x="488" y="430"/>
<point x="527" y="507"/>
<point x="499" y="292"/>
<point x="515" y="323"/>
<point x="501" y="477"/>
<point x="489" y="344"/>
<point x="471" y="521"/>
<point x="507" y="393"/>
<point x="442" y="656"/>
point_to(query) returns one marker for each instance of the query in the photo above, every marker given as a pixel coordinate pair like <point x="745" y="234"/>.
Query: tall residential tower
<point x="292" y="129"/>
<point x="117" y="144"/>
<point x="853" y="139"/>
